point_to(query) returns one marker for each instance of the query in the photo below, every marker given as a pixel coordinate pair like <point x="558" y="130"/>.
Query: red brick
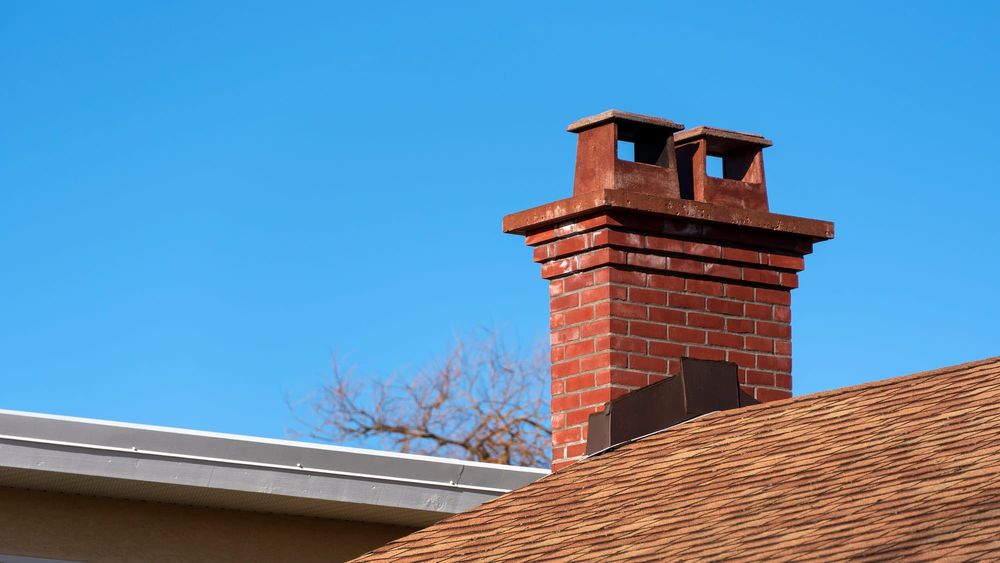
<point x="741" y="255"/>
<point x="722" y="271"/>
<point x="789" y="280"/>
<point x="579" y="348"/>
<point x="753" y="275"/>
<point x="650" y="261"/>
<point x="686" y="266"/>
<point x="564" y="302"/>
<point x="617" y="359"/>
<point x="686" y="301"/>
<point x="706" y="353"/>
<point x="663" y="244"/>
<point x="557" y="387"/>
<point x="557" y="354"/>
<point x="704" y="320"/>
<point x="742" y="359"/>
<point x="739" y="292"/>
<point x="599" y="257"/>
<point x="596" y="396"/>
<point x="764" y="395"/>
<point x="627" y="344"/>
<point x="574" y="451"/>
<point x="602" y="293"/>
<point x="630" y="378"/>
<point x="556" y="287"/>
<point x="558" y="420"/>
<point x="565" y="402"/>
<point x="566" y="435"/>
<point x="739" y="325"/>
<point x="563" y="369"/>
<point x="783" y="380"/>
<point x="596" y="361"/>
<point x="725" y="339"/>
<point x="651" y="296"/>
<point x="619" y="238"/>
<point x="758" y="311"/>
<point x="579" y="416"/>
<point x="670" y="316"/>
<point x="666" y="349"/>
<point x="579" y="315"/>
<point x="783" y="347"/>
<point x="628" y="310"/>
<point x="564" y="335"/>
<point x="704" y="287"/>
<point x="541" y="253"/>
<point x="702" y="249"/>
<point x="556" y="268"/>
<point x="603" y="326"/>
<point x="665" y="282"/>
<point x="725" y="307"/>
<point x="646" y="363"/>
<point x="776" y="296"/>
<point x="578" y="382"/>
<point x="648" y="330"/>
<point x="756" y="377"/>
<point x="627" y="277"/>
<point x="782" y="313"/>
<point x="538" y="237"/>
<point x="775" y="363"/>
<point x="579" y="281"/>
<point x="760" y="344"/>
<point x="787" y="262"/>
<point x="777" y="330"/>
<point x="684" y="334"/>
<point x="571" y="245"/>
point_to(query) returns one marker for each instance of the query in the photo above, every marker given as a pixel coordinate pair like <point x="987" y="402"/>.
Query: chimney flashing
<point x="701" y="387"/>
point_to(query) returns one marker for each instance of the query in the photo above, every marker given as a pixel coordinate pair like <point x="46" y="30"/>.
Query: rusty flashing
<point x="621" y="116"/>
<point x="531" y="220"/>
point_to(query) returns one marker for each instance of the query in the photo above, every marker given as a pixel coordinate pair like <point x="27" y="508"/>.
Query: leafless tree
<point x="483" y="402"/>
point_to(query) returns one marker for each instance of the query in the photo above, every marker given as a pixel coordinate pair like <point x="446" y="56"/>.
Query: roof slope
<point x="897" y="468"/>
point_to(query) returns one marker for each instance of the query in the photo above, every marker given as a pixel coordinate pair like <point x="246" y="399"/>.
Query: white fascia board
<point x="355" y="477"/>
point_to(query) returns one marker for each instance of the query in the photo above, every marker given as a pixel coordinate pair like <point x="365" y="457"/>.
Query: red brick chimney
<point x="654" y="260"/>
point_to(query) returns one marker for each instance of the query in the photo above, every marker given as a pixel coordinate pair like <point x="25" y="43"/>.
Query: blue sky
<point x="201" y="202"/>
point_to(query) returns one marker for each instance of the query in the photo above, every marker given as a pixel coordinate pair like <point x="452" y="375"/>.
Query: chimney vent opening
<point x="626" y="150"/>
<point x="714" y="166"/>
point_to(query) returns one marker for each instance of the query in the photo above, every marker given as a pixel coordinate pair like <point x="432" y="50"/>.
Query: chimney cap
<point x="622" y="117"/>
<point x="722" y="140"/>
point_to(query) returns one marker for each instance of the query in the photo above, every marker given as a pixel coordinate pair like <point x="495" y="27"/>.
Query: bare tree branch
<point x="483" y="403"/>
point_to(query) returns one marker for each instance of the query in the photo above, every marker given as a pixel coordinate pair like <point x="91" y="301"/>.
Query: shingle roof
<point x="902" y="468"/>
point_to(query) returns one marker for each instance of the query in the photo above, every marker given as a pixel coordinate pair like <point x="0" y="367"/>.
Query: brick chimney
<point x="655" y="260"/>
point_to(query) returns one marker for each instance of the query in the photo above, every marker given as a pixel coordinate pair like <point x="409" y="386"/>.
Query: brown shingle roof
<point x="894" y="469"/>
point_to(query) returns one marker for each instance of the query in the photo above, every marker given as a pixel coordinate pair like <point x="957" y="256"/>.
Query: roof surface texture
<point x="903" y="468"/>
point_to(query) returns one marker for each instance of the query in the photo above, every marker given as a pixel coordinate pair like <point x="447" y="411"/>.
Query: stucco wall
<point x="82" y="528"/>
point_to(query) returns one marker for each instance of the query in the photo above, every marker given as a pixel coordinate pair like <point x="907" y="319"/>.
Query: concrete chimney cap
<point x="622" y="116"/>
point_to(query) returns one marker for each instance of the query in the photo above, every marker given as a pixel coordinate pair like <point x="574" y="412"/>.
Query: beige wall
<point x="83" y="528"/>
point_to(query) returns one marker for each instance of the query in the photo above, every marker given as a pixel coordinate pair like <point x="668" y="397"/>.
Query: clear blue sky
<point x="201" y="201"/>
